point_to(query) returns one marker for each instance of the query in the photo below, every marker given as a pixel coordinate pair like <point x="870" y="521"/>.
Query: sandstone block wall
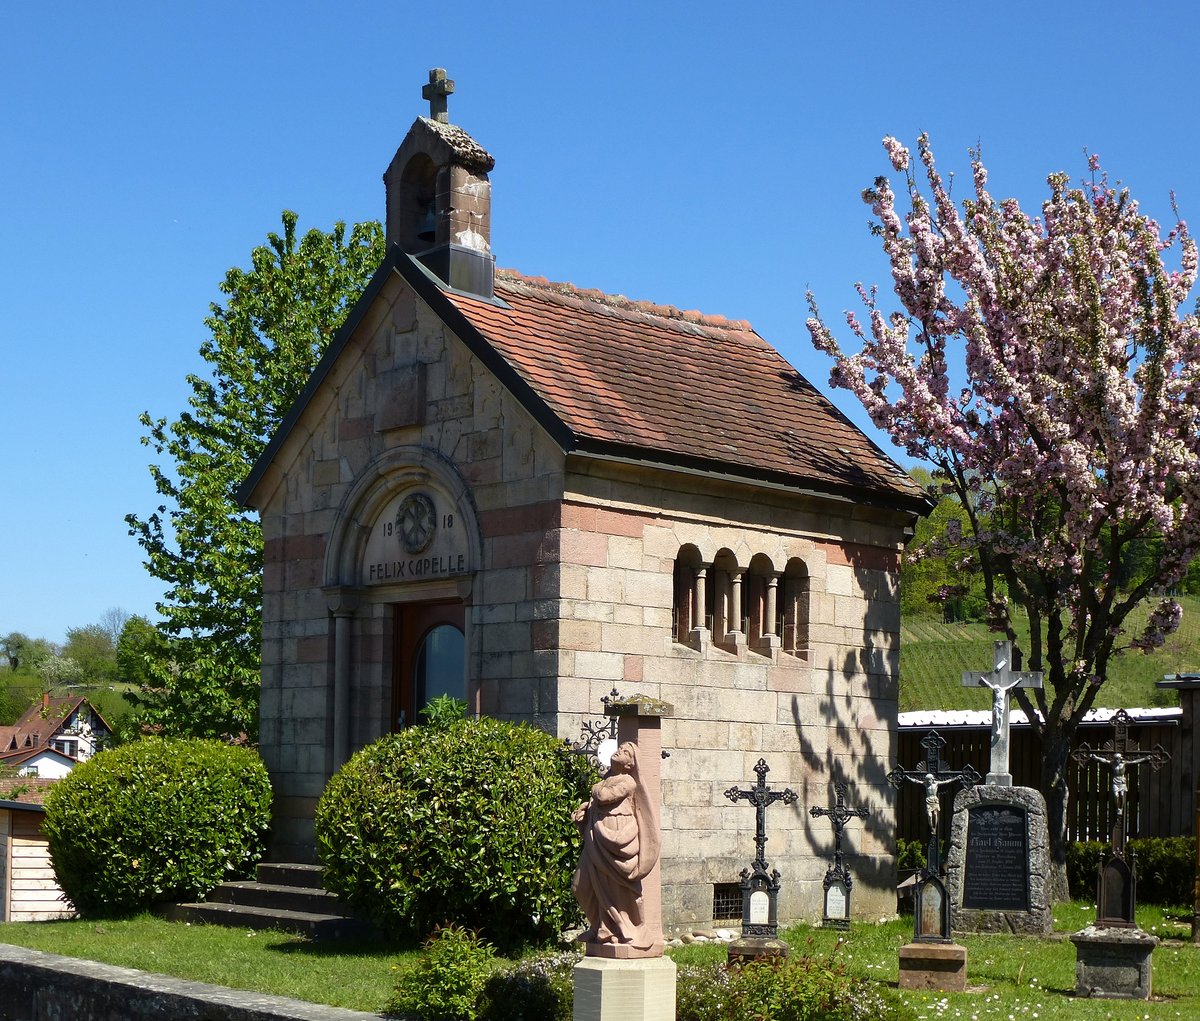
<point x="570" y="593"/>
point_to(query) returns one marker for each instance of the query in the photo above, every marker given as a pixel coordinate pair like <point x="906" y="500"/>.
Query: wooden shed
<point x="29" y="891"/>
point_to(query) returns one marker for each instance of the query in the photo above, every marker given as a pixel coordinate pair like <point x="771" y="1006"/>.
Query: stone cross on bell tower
<point x="436" y="91"/>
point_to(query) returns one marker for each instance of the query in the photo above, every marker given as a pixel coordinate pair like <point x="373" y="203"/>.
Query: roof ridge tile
<point x="619" y="301"/>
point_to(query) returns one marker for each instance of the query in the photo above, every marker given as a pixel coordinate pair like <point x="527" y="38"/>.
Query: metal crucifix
<point x="933" y="774"/>
<point x="760" y="796"/>
<point x="837" y="877"/>
<point x="760" y="889"/>
<point x="1002" y="680"/>
<point x="1119" y="754"/>
<point x="839" y="815"/>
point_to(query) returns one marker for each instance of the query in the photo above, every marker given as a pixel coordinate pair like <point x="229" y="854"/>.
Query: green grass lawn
<point x="357" y="975"/>
<point x="934" y="655"/>
<point x="1009" y="977"/>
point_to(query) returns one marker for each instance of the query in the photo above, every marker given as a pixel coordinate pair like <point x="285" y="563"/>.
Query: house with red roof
<point x="53" y="735"/>
<point x="525" y="494"/>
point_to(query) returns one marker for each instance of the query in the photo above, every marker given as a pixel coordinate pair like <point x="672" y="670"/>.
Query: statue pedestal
<point x="940" y="966"/>
<point x="642" y="989"/>
<point x="1113" y="963"/>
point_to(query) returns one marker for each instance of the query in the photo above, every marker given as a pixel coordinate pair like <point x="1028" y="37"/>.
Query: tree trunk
<point x="1056" y="749"/>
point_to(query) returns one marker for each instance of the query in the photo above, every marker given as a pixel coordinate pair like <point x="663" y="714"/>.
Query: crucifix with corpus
<point x="1002" y="680"/>
<point x="1119" y="754"/>
<point x="933" y="774"/>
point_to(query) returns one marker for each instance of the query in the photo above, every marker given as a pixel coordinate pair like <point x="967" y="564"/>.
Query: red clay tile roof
<point x="23" y="755"/>
<point x="29" y="790"/>
<point x="701" y="388"/>
<point x="41" y="721"/>
<point x="605" y="375"/>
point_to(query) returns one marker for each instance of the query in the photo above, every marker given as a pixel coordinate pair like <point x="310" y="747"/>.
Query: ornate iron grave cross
<point x="1119" y="754"/>
<point x="837" y="877"/>
<point x="760" y="889"/>
<point x="760" y="796"/>
<point x="436" y="91"/>
<point x="933" y="774"/>
<point x="1002" y="680"/>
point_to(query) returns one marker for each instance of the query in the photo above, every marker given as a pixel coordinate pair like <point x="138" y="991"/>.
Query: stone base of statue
<point x="623" y="951"/>
<point x="998" y="868"/>
<point x="1113" y="963"/>
<point x="939" y="966"/>
<point x="641" y="989"/>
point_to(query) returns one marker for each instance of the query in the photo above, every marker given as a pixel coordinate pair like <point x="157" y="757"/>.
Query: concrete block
<point x="632" y="990"/>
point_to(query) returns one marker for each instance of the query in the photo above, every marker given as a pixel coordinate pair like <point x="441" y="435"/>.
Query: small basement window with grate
<point x="727" y="902"/>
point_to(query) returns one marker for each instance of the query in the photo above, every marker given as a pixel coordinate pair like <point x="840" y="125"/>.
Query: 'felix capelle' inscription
<point x="996" y="869"/>
<point x="416" y="536"/>
<point x="417" y="567"/>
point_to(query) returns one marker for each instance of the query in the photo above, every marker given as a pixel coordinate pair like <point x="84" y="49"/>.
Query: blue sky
<point x="705" y="155"/>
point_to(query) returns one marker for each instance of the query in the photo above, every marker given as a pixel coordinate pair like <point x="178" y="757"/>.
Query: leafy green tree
<point x="264" y="341"/>
<point x="25" y="653"/>
<point x="93" y="652"/>
<point x="139" y="646"/>
<point x="937" y="578"/>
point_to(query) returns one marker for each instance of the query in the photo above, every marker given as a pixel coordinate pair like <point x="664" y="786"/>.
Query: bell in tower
<point x="439" y="196"/>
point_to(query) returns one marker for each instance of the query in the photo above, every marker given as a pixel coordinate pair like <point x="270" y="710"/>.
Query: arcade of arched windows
<point x="733" y="605"/>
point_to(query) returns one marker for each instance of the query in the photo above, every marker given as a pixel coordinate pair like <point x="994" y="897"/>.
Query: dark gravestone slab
<point x="998" y="867"/>
<point x="1115" y="901"/>
<point x="996" y="876"/>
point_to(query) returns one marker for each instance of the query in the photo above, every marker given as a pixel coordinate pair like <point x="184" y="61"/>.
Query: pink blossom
<point x="1079" y="424"/>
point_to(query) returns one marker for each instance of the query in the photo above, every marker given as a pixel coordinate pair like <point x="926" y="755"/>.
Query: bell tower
<point x="439" y="198"/>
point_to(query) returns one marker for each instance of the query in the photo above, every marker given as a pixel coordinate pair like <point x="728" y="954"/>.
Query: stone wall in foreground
<point x="46" y="987"/>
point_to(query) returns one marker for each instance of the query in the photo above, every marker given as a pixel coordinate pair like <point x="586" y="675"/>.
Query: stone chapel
<point x="525" y="494"/>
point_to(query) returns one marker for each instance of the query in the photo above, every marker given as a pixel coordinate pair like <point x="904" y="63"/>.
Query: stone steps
<point x="286" y="896"/>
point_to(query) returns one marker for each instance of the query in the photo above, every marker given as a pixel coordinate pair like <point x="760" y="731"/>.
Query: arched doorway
<point x="430" y="658"/>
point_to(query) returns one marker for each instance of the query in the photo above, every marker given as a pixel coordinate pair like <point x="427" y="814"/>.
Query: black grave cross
<point x="933" y="774"/>
<point x="436" y="91"/>
<point x="1119" y="754"/>
<point x="839" y="815"/>
<point x="760" y="796"/>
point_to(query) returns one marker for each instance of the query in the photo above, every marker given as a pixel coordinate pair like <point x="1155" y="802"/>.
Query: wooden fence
<point x="1159" y="804"/>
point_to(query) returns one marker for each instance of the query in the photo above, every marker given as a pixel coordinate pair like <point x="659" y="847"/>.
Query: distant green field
<point x="934" y="655"/>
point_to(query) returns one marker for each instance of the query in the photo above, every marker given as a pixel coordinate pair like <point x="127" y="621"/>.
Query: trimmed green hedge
<point x="1165" y="868"/>
<point x="156" y="820"/>
<point x="467" y="823"/>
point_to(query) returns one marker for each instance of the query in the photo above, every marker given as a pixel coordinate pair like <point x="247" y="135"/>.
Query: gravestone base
<point x="1113" y="963"/>
<point x="752" y="948"/>
<point x="1008" y="892"/>
<point x="940" y="966"/>
<point x="634" y="990"/>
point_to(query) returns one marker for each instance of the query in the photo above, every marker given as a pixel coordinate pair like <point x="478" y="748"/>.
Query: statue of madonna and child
<point x="621" y="843"/>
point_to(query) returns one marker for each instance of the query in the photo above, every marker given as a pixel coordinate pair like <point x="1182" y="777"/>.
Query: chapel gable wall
<point x="403" y="385"/>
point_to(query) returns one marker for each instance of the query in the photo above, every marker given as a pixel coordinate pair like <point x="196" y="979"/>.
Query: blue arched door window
<point x="430" y="657"/>
<point x="438" y="666"/>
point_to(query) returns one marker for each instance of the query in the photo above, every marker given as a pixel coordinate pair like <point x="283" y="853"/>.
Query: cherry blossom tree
<point x="1043" y="366"/>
